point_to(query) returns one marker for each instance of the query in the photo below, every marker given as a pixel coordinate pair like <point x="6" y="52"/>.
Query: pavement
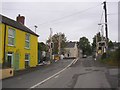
<point x="30" y="69"/>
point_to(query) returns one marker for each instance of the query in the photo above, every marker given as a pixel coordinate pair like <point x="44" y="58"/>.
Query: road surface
<point x="85" y="73"/>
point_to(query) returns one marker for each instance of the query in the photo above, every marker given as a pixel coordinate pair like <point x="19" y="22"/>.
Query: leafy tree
<point x="84" y="44"/>
<point x="42" y="46"/>
<point x="99" y="38"/>
<point x="55" y="40"/>
<point x="110" y="44"/>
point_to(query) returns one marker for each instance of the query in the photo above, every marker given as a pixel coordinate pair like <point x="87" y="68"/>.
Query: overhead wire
<point x="65" y="17"/>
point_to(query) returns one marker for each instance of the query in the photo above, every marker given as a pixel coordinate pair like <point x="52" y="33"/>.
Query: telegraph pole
<point x="51" y="44"/>
<point x="106" y="27"/>
<point x="102" y="33"/>
<point x="59" y="47"/>
<point x="96" y="46"/>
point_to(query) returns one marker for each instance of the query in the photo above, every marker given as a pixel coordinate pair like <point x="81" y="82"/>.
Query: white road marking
<point x="51" y="76"/>
<point x="75" y="61"/>
<point x="57" y="76"/>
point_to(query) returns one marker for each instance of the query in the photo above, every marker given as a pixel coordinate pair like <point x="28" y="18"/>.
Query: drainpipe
<point x="4" y="46"/>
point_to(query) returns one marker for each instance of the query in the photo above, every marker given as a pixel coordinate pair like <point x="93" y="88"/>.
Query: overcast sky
<point x="75" y="19"/>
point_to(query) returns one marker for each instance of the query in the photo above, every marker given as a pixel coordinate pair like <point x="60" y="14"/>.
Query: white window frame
<point x="28" y="57"/>
<point x="28" y="41"/>
<point x="13" y="37"/>
<point x="27" y="60"/>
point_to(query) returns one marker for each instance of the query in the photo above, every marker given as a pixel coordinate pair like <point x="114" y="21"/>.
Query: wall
<point x="20" y="49"/>
<point x="1" y="41"/>
<point x="73" y="51"/>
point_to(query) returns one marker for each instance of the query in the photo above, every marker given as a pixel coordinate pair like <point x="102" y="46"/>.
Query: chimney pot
<point x="20" y="19"/>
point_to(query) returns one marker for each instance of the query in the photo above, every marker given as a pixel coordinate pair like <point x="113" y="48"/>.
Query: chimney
<point x="20" y="19"/>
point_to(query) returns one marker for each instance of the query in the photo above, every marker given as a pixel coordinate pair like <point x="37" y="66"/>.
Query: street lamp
<point x="35" y="28"/>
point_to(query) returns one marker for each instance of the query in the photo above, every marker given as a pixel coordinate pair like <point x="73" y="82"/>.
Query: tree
<point x="55" y="40"/>
<point x="42" y="46"/>
<point x="99" y="38"/>
<point x="84" y="44"/>
<point x="110" y="44"/>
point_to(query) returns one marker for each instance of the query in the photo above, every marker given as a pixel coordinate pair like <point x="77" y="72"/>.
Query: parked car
<point x="84" y="56"/>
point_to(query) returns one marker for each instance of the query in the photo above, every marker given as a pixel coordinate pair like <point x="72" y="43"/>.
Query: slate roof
<point x="70" y="44"/>
<point x="16" y="24"/>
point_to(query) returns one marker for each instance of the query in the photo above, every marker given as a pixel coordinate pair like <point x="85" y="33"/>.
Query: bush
<point x="111" y="58"/>
<point x="104" y="56"/>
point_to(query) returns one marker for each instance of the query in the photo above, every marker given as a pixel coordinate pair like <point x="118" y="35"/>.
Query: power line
<point x="80" y="12"/>
<point x="65" y="17"/>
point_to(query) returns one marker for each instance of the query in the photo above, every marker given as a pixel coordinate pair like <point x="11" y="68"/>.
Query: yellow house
<point x="18" y="44"/>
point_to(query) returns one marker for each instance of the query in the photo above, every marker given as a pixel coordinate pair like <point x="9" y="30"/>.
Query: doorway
<point x="9" y="59"/>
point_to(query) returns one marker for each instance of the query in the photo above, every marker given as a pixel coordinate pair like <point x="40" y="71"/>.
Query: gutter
<point x="4" y="46"/>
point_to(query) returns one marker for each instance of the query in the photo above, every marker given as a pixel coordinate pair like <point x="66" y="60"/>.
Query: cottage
<point x="71" y="50"/>
<point x="18" y="44"/>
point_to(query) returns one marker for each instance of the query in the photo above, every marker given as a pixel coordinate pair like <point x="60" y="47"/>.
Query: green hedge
<point x="112" y="58"/>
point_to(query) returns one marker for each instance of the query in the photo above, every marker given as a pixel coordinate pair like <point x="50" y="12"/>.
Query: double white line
<point x="73" y="62"/>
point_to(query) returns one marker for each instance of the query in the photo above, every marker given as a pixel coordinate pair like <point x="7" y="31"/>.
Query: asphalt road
<point x="29" y="79"/>
<point x="85" y="73"/>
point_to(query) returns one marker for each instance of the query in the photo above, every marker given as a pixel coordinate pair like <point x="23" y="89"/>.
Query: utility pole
<point x="51" y="44"/>
<point x="102" y="33"/>
<point x="59" y="47"/>
<point x="106" y="27"/>
<point x="96" y="46"/>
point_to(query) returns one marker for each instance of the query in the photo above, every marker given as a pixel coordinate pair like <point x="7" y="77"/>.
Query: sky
<point x="73" y="18"/>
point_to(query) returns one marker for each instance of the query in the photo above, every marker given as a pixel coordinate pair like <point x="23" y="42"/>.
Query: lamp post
<point x="35" y="28"/>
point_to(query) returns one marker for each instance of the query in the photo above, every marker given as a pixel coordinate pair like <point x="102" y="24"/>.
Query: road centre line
<point x="75" y="61"/>
<point x="52" y="76"/>
<point x="56" y="76"/>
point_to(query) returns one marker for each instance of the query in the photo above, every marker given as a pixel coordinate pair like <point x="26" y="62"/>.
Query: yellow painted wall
<point x="1" y="41"/>
<point x="20" y="47"/>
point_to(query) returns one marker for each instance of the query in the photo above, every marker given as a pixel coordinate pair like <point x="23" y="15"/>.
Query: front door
<point x="16" y="61"/>
<point x="9" y="59"/>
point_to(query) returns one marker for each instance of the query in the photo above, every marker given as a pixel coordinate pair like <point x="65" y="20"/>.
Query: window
<point x="27" y="41"/>
<point x="27" y="59"/>
<point x="27" y="56"/>
<point x="11" y="37"/>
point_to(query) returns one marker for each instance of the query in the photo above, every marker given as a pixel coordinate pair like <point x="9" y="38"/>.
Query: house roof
<point x="16" y="24"/>
<point x="70" y="44"/>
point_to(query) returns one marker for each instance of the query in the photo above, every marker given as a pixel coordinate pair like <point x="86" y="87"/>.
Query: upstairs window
<point x="11" y="37"/>
<point x="27" y="41"/>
